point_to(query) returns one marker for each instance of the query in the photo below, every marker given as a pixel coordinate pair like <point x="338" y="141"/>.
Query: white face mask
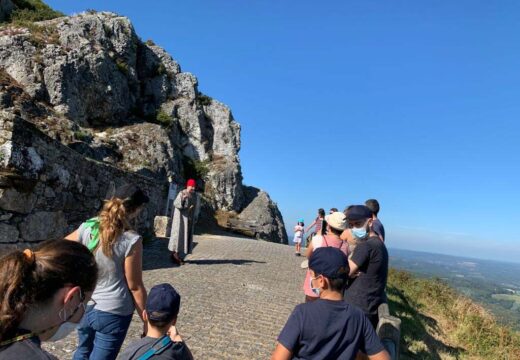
<point x="67" y="327"/>
<point x="316" y="291"/>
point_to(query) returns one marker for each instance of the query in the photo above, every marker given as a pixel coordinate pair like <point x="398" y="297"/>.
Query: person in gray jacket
<point x="186" y="209"/>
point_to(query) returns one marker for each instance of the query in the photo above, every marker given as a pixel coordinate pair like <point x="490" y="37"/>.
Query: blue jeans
<point x="100" y="335"/>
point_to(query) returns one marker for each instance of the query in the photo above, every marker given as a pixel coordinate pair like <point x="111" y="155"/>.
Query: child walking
<point x="298" y="236"/>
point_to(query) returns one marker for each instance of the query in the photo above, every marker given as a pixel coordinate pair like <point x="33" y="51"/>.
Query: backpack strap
<point x="156" y="348"/>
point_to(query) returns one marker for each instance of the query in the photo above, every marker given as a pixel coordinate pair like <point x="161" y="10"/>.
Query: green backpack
<point x="93" y="226"/>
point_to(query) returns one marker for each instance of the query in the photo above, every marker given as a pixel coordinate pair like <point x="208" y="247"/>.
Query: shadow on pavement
<point x="157" y="256"/>
<point x="223" y="261"/>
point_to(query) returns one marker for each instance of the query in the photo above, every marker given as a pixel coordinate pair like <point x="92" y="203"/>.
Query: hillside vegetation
<point x="439" y="323"/>
<point x="32" y="10"/>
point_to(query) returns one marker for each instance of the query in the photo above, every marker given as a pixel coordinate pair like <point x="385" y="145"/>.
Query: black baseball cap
<point x="163" y="303"/>
<point x="329" y="262"/>
<point x="359" y="212"/>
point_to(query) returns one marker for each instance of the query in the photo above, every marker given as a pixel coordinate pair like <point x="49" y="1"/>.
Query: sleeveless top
<point x="322" y="241"/>
<point x="319" y="224"/>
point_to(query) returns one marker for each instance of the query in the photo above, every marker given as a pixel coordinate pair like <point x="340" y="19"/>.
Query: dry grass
<point x="439" y="323"/>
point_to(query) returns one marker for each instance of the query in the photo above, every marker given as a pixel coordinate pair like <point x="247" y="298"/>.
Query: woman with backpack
<point x="44" y="293"/>
<point x="120" y="289"/>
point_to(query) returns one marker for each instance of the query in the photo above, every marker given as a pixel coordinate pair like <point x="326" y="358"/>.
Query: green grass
<point x="507" y="297"/>
<point x="195" y="169"/>
<point x="439" y="323"/>
<point x="160" y="69"/>
<point x="122" y="66"/>
<point x="82" y="135"/>
<point x="164" y="118"/>
<point x="33" y="10"/>
<point x="204" y="99"/>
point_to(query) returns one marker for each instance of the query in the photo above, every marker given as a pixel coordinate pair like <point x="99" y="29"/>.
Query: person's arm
<point x="282" y="353"/>
<point x="73" y="236"/>
<point x="311" y="225"/>
<point x="133" y="268"/>
<point x="382" y="355"/>
<point x="353" y="267"/>
<point x="179" y="200"/>
<point x="309" y="250"/>
<point x="360" y="257"/>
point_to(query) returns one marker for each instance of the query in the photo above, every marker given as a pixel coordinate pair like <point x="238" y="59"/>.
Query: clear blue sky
<point x="415" y="103"/>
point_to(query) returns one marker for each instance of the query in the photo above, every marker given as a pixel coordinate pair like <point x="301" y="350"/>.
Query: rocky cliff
<point x="85" y="106"/>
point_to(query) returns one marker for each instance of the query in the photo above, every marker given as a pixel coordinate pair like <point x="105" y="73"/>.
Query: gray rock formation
<point x="269" y="224"/>
<point x="85" y="105"/>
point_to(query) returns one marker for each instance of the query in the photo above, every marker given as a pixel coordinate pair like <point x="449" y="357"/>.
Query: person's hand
<point x="174" y="335"/>
<point x="355" y="275"/>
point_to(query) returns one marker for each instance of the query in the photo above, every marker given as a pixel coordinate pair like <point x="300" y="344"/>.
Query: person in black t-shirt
<point x="162" y="340"/>
<point x="368" y="265"/>
<point x="377" y="226"/>
<point x="328" y="328"/>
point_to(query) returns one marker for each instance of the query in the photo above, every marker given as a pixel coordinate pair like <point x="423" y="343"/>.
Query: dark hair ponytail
<point x="32" y="277"/>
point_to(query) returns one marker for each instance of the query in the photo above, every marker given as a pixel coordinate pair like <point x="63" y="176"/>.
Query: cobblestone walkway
<point x="236" y="296"/>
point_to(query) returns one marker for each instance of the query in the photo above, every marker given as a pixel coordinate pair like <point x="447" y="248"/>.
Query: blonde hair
<point x="113" y="222"/>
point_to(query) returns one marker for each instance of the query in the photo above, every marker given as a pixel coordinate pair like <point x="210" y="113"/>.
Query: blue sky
<point x="415" y="103"/>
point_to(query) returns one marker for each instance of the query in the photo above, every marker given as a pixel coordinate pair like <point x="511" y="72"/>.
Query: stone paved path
<point x="236" y="296"/>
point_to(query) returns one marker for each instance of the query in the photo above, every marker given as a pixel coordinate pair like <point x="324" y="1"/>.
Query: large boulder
<point x="262" y="213"/>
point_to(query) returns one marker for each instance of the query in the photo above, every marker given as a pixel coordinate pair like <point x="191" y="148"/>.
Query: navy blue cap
<point x="163" y="303"/>
<point x="359" y="212"/>
<point x="329" y="262"/>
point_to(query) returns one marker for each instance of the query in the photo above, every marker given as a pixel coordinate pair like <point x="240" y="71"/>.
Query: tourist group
<point x="91" y="282"/>
<point x="344" y="286"/>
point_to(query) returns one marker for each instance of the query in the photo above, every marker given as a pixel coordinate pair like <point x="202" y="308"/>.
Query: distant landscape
<point x="494" y="284"/>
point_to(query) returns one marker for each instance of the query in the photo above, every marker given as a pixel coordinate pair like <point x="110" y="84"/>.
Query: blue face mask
<point x="316" y="291"/>
<point x="359" y="233"/>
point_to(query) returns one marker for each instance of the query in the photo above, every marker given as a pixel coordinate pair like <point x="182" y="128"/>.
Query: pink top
<point x="317" y="242"/>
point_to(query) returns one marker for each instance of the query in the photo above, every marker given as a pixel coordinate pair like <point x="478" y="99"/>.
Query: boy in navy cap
<point x="162" y="340"/>
<point x="328" y="328"/>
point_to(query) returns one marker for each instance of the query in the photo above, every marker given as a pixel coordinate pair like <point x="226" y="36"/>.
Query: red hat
<point x="190" y="182"/>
